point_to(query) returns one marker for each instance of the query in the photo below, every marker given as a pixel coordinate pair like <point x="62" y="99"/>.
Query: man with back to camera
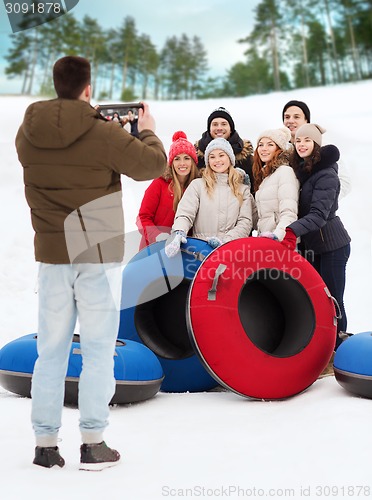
<point x="72" y="159"/>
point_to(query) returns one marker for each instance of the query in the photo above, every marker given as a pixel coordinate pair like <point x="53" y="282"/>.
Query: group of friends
<point x="130" y="118"/>
<point x="218" y="189"/>
<point x="287" y="189"/>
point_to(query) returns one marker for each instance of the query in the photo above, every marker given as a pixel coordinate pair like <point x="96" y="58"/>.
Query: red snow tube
<point x="261" y="319"/>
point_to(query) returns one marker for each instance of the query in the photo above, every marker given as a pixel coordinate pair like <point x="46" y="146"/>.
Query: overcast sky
<point x="218" y="23"/>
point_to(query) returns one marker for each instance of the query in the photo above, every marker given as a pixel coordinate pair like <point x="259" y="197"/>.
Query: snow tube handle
<point x="196" y="255"/>
<point x="337" y="306"/>
<point x="213" y="291"/>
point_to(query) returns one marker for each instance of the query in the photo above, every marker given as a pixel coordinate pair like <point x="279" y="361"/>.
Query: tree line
<point x="304" y="43"/>
<point x="292" y="45"/>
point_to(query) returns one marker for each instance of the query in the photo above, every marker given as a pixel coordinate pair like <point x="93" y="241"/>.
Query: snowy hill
<point x="216" y="444"/>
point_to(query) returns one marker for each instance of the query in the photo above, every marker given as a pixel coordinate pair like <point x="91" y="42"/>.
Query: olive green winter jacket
<point x="72" y="160"/>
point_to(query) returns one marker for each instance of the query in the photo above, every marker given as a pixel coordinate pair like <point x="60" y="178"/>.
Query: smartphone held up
<point x="123" y="113"/>
<point x="122" y="109"/>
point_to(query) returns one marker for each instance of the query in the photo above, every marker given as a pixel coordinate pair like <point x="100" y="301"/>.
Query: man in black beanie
<point x="295" y="114"/>
<point x="221" y="113"/>
<point x="221" y="124"/>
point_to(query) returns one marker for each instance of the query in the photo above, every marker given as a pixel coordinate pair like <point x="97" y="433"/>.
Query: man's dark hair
<point x="299" y="104"/>
<point x="71" y="74"/>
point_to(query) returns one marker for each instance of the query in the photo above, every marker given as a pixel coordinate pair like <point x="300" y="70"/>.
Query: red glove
<point x="290" y="239"/>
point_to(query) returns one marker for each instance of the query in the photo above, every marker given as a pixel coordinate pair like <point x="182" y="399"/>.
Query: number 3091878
<point x="33" y="8"/>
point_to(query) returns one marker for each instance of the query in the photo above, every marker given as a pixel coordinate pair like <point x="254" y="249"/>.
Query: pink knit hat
<point x="181" y="145"/>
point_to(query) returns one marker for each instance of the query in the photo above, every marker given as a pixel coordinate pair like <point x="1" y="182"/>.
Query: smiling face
<point x="304" y="146"/>
<point x="182" y="164"/>
<point x="220" y="127"/>
<point x="294" y="117"/>
<point x="266" y="148"/>
<point x="219" y="161"/>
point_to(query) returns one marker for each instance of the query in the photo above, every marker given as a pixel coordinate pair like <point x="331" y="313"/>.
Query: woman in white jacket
<point x="218" y="207"/>
<point x="275" y="184"/>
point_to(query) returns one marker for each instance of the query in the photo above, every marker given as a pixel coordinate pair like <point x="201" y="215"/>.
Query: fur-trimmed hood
<point x="282" y="159"/>
<point x="329" y="156"/>
<point x="237" y="143"/>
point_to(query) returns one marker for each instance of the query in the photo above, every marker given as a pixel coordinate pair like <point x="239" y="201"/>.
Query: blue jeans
<point x="68" y="292"/>
<point x="332" y="268"/>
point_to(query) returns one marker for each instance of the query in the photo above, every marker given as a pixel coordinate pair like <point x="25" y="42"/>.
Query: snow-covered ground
<point x="216" y="444"/>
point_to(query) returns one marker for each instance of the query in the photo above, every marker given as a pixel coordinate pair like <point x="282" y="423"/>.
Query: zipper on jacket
<point x="321" y="234"/>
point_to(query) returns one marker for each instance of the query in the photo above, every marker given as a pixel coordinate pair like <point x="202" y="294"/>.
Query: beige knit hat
<point x="281" y="137"/>
<point x="311" y="130"/>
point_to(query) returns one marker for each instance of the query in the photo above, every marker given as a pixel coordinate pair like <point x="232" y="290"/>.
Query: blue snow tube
<point x="353" y="364"/>
<point x="137" y="371"/>
<point x="153" y="311"/>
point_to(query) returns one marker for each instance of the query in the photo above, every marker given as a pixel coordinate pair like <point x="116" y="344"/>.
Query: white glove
<point x="214" y="242"/>
<point x="173" y="244"/>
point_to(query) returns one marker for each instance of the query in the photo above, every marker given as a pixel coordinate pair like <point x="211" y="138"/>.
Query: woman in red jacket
<point x="161" y="198"/>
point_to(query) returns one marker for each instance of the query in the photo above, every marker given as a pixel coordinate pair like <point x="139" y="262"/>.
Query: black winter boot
<point x="48" y="457"/>
<point x="97" y="456"/>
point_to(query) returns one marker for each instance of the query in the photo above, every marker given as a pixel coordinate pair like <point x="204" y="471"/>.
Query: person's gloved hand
<point x="245" y="177"/>
<point x="214" y="242"/>
<point x="173" y="244"/>
<point x="289" y="239"/>
<point x="268" y="234"/>
<point x="162" y="237"/>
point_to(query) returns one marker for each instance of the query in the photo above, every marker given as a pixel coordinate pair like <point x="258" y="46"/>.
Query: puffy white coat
<point x="216" y="215"/>
<point x="277" y="201"/>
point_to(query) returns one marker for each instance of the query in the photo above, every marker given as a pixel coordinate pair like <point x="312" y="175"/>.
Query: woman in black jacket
<point x="324" y="240"/>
